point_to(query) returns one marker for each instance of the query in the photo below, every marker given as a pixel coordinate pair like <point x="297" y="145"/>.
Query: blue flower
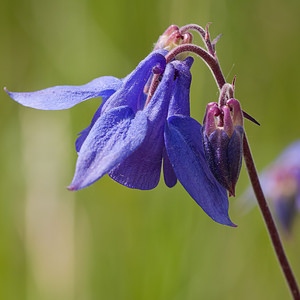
<point x="281" y="185"/>
<point x="130" y="139"/>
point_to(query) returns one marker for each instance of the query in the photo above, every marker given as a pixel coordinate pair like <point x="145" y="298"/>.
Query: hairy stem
<point x="211" y="61"/>
<point x="273" y="232"/>
<point x="203" y="33"/>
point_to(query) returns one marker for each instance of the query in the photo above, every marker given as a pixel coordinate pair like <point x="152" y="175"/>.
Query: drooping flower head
<point x="144" y="123"/>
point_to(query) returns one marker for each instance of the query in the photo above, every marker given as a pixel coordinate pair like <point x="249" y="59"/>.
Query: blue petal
<point x="114" y="136"/>
<point x="130" y="94"/>
<point x="84" y="133"/>
<point x="82" y="136"/>
<point x="179" y="104"/>
<point x="169" y="174"/>
<point x="142" y="169"/>
<point x="66" y="96"/>
<point x="183" y="140"/>
<point x="132" y="91"/>
<point x="180" y="101"/>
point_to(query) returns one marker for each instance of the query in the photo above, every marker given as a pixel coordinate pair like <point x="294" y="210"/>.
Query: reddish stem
<point x="210" y="60"/>
<point x="203" y="33"/>
<point x="153" y="87"/>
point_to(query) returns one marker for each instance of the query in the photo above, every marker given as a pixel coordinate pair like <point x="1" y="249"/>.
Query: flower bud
<point x="172" y="38"/>
<point x="223" y="142"/>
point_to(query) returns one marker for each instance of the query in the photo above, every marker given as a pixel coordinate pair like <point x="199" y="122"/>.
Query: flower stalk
<point x="209" y="59"/>
<point x="204" y="35"/>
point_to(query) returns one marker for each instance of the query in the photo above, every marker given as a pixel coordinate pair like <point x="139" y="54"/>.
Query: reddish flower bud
<point x="223" y="140"/>
<point x="172" y="38"/>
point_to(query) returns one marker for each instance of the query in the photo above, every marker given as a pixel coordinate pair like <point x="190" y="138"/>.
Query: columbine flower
<point x="281" y="185"/>
<point x="132" y="134"/>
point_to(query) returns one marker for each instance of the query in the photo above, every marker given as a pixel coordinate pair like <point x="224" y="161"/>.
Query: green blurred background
<point x="107" y="241"/>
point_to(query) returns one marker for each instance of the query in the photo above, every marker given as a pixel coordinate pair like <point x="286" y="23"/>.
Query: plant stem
<point x="273" y="232"/>
<point x="203" y="33"/>
<point x="210" y="60"/>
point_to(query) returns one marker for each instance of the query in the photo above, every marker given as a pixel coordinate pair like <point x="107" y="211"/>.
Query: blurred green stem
<point x="273" y="232"/>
